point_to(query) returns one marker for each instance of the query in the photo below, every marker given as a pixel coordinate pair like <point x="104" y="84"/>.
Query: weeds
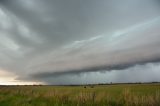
<point x="120" y="95"/>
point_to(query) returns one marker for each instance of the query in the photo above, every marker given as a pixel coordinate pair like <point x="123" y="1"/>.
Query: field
<point x="97" y="95"/>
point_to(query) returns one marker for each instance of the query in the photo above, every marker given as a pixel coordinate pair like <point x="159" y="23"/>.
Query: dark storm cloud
<point x="64" y="21"/>
<point x="51" y="38"/>
<point x="93" y="69"/>
<point x="148" y="72"/>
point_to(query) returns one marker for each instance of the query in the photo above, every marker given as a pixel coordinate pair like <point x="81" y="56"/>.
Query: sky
<point x="79" y="41"/>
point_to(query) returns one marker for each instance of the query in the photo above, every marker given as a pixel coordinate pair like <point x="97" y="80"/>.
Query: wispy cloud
<point x="45" y="39"/>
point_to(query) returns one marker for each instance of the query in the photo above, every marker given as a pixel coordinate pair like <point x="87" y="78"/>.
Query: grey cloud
<point x="94" y="55"/>
<point x="93" y="69"/>
<point x="55" y="37"/>
<point x="79" y="19"/>
<point x="148" y="72"/>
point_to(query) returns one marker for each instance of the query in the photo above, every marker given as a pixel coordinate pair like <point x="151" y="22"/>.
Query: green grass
<point x="100" y="95"/>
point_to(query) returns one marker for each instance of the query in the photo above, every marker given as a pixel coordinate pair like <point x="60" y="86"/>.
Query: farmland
<point x="97" y="95"/>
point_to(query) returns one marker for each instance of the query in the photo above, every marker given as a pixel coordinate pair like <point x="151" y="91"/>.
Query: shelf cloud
<point x="70" y="42"/>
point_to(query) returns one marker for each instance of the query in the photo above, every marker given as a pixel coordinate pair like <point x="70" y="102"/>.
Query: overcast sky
<point x="79" y="41"/>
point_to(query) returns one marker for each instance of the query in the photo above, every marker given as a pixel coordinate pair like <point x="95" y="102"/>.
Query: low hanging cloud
<point x="139" y="73"/>
<point x="45" y="40"/>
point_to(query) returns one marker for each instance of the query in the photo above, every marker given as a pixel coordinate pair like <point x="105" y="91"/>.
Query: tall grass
<point x="115" y="95"/>
<point x="130" y="99"/>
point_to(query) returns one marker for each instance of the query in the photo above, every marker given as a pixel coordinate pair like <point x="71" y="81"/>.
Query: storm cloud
<point x="46" y="40"/>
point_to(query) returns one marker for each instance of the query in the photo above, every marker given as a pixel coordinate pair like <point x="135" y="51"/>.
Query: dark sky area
<point x="79" y="41"/>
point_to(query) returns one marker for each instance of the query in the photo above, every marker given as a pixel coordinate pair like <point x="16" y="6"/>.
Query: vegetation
<point x="98" y="95"/>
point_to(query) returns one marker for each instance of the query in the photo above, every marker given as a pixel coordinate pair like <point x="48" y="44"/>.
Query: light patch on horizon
<point x="7" y="78"/>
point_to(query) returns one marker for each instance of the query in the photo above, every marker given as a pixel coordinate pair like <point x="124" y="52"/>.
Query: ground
<point x="95" y="95"/>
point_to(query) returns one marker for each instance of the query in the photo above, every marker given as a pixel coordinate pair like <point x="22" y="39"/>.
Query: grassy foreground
<point x="99" y="95"/>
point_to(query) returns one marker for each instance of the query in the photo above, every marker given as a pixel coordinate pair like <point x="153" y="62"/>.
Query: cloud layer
<point x="51" y="39"/>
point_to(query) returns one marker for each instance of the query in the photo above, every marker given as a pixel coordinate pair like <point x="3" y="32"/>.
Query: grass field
<point x="99" y="95"/>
